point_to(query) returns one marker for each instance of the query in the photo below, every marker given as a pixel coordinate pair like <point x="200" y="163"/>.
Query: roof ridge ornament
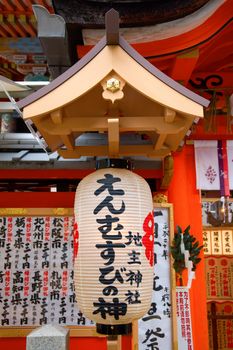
<point x="112" y="27"/>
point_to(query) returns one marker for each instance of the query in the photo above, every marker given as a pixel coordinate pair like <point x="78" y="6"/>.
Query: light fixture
<point x="113" y="245"/>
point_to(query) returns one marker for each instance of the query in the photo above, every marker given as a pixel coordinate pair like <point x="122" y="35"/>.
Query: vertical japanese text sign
<point x="36" y="271"/>
<point x="155" y="329"/>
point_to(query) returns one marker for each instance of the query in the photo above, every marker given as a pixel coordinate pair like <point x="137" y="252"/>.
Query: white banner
<point x="184" y="324"/>
<point x="206" y="160"/>
<point x="207" y="164"/>
<point x="155" y="328"/>
<point x="36" y="272"/>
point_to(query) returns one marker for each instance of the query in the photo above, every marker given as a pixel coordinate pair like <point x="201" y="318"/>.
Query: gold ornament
<point x="113" y="84"/>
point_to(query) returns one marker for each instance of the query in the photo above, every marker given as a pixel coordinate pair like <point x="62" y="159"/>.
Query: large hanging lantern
<point x="114" y="233"/>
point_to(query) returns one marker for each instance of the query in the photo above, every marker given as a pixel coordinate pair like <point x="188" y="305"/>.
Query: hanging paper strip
<point x="214" y="165"/>
<point x="230" y="162"/>
<point x="184" y="322"/>
<point x="207" y="169"/>
<point x="223" y="168"/>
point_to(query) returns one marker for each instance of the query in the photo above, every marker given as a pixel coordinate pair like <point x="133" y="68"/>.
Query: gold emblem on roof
<point x="113" y="85"/>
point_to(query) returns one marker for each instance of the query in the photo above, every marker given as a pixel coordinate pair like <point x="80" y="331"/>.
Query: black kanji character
<point x="133" y="297"/>
<point x="107" y="270"/>
<point x="107" y="203"/>
<point x="108" y="185"/>
<point x="115" y="308"/>
<point x="134" y="277"/>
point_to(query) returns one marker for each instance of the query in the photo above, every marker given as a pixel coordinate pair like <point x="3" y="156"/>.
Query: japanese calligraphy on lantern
<point x="109" y="276"/>
<point x="114" y="218"/>
<point x="36" y="272"/>
<point x="219" y="277"/>
<point x="184" y="325"/>
<point x="155" y="328"/>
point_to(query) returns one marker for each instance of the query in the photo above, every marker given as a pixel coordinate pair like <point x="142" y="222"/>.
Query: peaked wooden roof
<point x="148" y="101"/>
<point x="113" y="38"/>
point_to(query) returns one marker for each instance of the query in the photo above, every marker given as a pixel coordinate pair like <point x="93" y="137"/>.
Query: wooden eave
<point x="90" y="14"/>
<point x="73" y="104"/>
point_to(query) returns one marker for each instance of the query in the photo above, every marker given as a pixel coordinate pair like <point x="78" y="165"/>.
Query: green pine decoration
<point x="190" y="244"/>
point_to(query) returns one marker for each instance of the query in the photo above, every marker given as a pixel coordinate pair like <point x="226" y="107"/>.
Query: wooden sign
<point x="219" y="277"/>
<point x="156" y="329"/>
<point x="206" y="242"/>
<point x="218" y="241"/>
<point x="220" y="322"/>
<point x="227" y="242"/>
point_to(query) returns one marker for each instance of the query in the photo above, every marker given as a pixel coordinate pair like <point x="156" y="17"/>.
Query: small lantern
<point x="113" y="246"/>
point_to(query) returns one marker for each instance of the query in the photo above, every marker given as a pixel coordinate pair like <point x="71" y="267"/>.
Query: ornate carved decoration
<point x="113" y="86"/>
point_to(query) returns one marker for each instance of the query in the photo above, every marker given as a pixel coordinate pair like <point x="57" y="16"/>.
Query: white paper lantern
<point x="114" y="233"/>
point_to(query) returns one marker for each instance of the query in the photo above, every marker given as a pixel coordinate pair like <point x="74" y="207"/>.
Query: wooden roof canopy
<point x="113" y="90"/>
<point x="133" y="13"/>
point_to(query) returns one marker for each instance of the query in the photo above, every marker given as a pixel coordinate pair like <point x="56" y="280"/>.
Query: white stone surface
<point x="48" y="337"/>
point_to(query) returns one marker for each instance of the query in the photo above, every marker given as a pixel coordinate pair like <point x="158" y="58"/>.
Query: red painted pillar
<point x="186" y="202"/>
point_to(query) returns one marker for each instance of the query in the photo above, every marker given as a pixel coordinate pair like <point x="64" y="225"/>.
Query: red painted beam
<point x="184" y="41"/>
<point x="65" y="173"/>
<point x="37" y="200"/>
<point x="221" y="133"/>
<point x="183" y="66"/>
<point x="43" y="174"/>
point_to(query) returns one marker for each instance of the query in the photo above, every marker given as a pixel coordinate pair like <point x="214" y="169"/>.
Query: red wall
<point x="187" y="211"/>
<point x="13" y="343"/>
<point x="50" y="200"/>
<point x="37" y="200"/>
<point x="75" y="343"/>
<point x="88" y="343"/>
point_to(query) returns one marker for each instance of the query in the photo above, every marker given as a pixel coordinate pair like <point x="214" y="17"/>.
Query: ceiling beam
<point x="169" y="115"/>
<point x="16" y="25"/>
<point x="144" y="123"/>
<point x="160" y="141"/>
<point x="24" y="22"/>
<point x="56" y="116"/>
<point x="7" y="27"/>
<point x="6" y="107"/>
<point x="184" y="66"/>
<point x="21" y="6"/>
<point x="7" y="5"/>
<point x="96" y="151"/>
<point x="20" y="155"/>
<point x="68" y="141"/>
<point x="113" y="136"/>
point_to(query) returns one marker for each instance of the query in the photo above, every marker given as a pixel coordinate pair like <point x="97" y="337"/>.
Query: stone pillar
<point x="48" y="337"/>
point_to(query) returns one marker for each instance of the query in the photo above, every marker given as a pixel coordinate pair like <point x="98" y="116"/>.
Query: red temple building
<point x="151" y="81"/>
